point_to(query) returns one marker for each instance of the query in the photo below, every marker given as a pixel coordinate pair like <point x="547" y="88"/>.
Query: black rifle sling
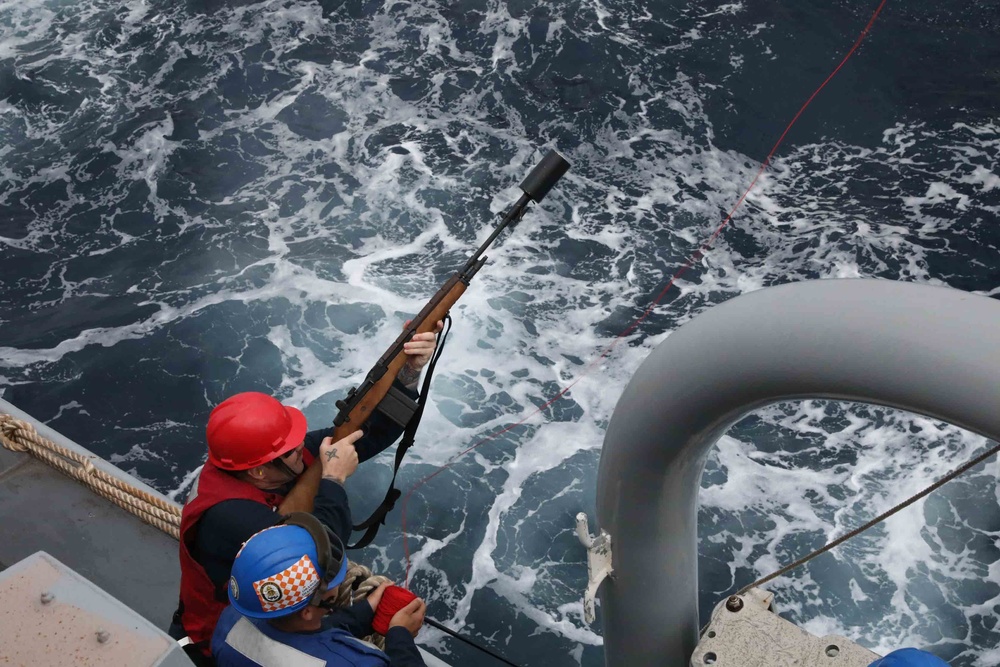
<point x="371" y="524"/>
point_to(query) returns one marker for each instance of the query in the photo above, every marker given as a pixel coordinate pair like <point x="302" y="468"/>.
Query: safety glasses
<point x="292" y="452"/>
<point x="280" y="464"/>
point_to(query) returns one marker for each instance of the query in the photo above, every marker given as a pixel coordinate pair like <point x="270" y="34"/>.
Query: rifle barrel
<point x="515" y="213"/>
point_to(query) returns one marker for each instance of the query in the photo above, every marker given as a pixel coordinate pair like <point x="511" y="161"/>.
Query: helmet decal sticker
<point x="234" y="588"/>
<point x="270" y="591"/>
<point x="288" y="587"/>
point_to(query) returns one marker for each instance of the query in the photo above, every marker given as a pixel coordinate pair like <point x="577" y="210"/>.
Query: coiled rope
<point x="358" y="583"/>
<point x="20" y="436"/>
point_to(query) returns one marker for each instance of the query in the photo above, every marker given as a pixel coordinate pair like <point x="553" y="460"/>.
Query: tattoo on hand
<point x="408" y="375"/>
<point x="330" y="455"/>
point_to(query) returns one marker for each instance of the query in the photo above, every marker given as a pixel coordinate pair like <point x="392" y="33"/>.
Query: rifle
<point x="377" y="391"/>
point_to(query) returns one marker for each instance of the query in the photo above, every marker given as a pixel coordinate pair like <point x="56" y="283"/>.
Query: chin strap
<point x="372" y="523"/>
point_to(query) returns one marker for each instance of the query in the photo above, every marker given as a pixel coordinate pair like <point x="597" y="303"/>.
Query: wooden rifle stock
<point x="302" y="495"/>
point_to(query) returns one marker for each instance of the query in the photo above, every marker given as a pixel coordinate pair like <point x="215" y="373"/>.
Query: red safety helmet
<point x="250" y="429"/>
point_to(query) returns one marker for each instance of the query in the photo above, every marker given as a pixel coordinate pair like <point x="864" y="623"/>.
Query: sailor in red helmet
<point x="257" y="448"/>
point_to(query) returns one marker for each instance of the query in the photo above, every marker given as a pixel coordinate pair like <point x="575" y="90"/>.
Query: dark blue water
<point x="209" y="197"/>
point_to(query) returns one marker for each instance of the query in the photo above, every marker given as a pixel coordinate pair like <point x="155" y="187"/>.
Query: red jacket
<point x="200" y="609"/>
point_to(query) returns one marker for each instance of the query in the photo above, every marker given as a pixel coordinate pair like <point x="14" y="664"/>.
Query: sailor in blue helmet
<point x="909" y="657"/>
<point x="278" y="615"/>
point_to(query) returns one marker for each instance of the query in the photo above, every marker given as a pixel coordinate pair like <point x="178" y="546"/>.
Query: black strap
<point x="372" y="523"/>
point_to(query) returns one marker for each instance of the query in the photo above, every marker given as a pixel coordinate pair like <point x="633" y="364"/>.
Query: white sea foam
<point x="435" y="127"/>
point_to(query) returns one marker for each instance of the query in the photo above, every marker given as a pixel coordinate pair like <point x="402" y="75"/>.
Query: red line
<point x="687" y="265"/>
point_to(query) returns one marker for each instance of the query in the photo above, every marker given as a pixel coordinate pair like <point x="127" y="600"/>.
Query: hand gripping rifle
<point x="377" y="390"/>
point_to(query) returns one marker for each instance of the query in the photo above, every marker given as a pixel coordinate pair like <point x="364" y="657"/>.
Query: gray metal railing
<point x="924" y="349"/>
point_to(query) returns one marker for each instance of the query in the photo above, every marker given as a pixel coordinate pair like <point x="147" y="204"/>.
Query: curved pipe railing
<point x="924" y="349"/>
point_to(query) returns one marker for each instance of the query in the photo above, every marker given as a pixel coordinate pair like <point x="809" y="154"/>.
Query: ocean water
<point x="205" y="197"/>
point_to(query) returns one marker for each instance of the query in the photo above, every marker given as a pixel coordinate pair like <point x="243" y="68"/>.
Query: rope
<point x="358" y="583"/>
<point x="20" y="436"/>
<point x="857" y="531"/>
<point x="445" y="629"/>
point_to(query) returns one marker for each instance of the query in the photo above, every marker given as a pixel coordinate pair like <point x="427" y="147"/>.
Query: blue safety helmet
<point x="909" y="657"/>
<point x="281" y="569"/>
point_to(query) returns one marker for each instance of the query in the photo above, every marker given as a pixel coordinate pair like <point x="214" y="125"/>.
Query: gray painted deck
<point x="41" y="509"/>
